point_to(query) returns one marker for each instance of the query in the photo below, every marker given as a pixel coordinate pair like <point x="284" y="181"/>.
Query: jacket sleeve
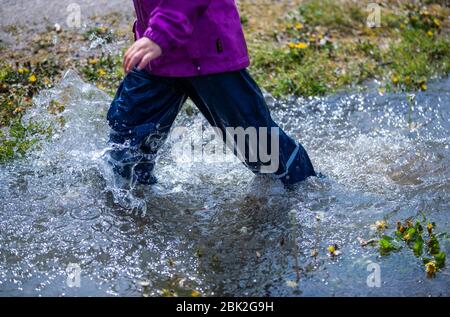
<point x="171" y="22"/>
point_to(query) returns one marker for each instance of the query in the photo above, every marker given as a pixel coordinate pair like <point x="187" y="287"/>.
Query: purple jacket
<point x="197" y="37"/>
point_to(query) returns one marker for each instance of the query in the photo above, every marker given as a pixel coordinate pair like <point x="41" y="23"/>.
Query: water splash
<point x="216" y="228"/>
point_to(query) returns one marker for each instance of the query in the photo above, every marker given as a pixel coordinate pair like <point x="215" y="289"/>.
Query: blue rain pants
<point x="145" y="107"/>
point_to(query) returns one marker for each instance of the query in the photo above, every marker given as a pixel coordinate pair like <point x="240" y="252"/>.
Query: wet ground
<point x="213" y="227"/>
<point x="22" y="20"/>
<point x="34" y="12"/>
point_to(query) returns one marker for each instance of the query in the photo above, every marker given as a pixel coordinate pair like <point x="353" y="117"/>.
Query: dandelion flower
<point x="101" y="72"/>
<point x="291" y="45"/>
<point x="430" y="227"/>
<point x="32" y="79"/>
<point x="430" y="33"/>
<point x="93" y="61"/>
<point x="299" y="26"/>
<point x="331" y="249"/>
<point x="408" y="80"/>
<point x="423" y="87"/>
<point x="301" y="46"/>
<point x="407" y="237"/>
<point x="381" y="224"/>
<point x="430" y="268"/>
<point x="437" y="22"/>
<point x="102" y="29"/>
<point x="18" y="110"/>
<point x="394" y="79"/>
<point x="195" y="293"/>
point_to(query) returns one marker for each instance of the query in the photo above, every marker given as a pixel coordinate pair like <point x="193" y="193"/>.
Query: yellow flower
<point x="32" y="79"/>
<point x="299" y="26"/>
<point x="195" y="293"/>
<point x="381" y="224"/>
<point x="102" y="29"/>
<point x="423" y="87"/>
<point x="301" y="46"/>
<point x="93" y="61"/>
<point x="407" y="237"/>
<point x="20" y="71"/>
<point x="402" y="26"/>
<point x="101" y="72"/>
<point x="18" y="110"/>
<point x="407" y="80"/>
<point x="291" y="45"/>
<point x="430" y="227"/>
<point x="394" y="79"/>
<point x="437" y="22"/>
<point x="430" y="268"/>
<point x="430" y="33"/>
<point x="331" y="249"/>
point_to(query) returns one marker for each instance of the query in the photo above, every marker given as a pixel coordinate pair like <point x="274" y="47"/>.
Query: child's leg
<point x="140" y="116"/>
<point x="234" y="100"/>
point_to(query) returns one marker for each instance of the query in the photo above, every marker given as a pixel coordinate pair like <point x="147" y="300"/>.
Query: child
<point x="190" y="49"/>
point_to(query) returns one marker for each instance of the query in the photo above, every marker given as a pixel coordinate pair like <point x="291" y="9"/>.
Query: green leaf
<point x="418" y="247"/>
<point x="433" y="245"/>
<point x="411" y="231"/>
<point x="418" y="227"/>
<point x="440" y="259"/>
<point x="387" y="245"/>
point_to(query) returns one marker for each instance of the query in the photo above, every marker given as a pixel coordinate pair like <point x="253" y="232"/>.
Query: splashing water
<point x="216" y="228"/>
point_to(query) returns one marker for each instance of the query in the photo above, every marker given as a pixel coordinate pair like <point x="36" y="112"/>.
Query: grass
<point x="325" y="46"/>
<point x="19" y="138"/>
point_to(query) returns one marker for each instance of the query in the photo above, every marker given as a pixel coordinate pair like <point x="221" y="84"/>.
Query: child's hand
<point x="142" y="52"/>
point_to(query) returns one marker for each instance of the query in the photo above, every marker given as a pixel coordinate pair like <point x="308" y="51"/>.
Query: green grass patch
<point x="326" y="46"/>
<point x="17" y="139"/>
<point x="105" y="71"/>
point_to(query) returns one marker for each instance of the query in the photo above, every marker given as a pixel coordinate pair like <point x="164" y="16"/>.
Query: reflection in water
<point x="215" y="227"/>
